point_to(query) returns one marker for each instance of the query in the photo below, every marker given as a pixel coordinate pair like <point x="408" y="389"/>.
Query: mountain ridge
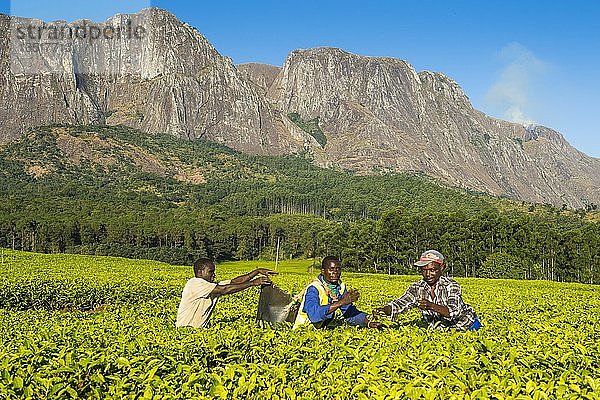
<point x="452" y="141"/>
<point x="375" y="114"/>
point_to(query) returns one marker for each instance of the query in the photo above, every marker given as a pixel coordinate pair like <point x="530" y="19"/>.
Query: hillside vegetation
<point x="116" y="191"/>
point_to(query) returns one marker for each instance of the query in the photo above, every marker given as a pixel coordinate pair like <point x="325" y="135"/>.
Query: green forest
<point x="111" y="190"/>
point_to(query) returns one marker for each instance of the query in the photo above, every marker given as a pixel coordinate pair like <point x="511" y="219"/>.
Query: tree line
<point x="485" y="244"/>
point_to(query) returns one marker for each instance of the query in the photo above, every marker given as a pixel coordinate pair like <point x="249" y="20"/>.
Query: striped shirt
<point x="446" y="293"/>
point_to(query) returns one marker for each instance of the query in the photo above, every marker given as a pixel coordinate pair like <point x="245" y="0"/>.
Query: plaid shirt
<point x="447" y="293"/>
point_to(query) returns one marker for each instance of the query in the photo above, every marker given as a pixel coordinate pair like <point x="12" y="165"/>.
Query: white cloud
<point x="509" y="96"/>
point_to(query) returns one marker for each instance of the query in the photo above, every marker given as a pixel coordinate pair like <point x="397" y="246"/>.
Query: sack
<point x="276" y="307"/>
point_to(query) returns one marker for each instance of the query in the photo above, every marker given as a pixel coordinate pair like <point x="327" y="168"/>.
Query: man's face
<point x="332" y="272"/>
<point x="432" y="272"/>
<point x="208" y="273"/>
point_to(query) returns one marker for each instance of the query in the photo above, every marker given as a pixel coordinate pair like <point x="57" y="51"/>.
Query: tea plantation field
<point x="98" y="327"/>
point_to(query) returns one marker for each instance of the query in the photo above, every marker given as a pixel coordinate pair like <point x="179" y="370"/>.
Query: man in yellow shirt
<point x="201" y="293"/>
<point x="325" y="295"/>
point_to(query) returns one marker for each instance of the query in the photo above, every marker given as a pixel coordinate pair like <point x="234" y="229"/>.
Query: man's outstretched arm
<point x="402" y="304"/>
<point x="250" y="275"/>
<point x="237" y="287"/>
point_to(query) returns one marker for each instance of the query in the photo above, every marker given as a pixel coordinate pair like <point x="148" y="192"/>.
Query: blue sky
<point x="535" y="61"/>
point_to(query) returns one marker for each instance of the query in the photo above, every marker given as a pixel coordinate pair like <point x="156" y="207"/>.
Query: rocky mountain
<point x="262" y="75"/>
<point x="380" y="114"/>
<point x="170" y="80"/>
<point x="369" y="114"/>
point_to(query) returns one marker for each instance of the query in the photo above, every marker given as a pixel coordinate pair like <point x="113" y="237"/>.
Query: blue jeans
<point x="476" y="324"/>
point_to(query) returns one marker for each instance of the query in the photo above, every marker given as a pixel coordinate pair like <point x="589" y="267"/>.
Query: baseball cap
<point x="429" y="256"/>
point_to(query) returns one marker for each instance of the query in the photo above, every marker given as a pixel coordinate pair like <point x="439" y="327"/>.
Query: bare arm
<point x="402" y="304"/>
<point x="234" y="287"/>
<point x="386" y="310"/>
<point x="250" y="275"/>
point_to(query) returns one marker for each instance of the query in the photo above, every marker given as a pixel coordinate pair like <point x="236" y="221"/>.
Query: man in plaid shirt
<point x="438" y="297"/>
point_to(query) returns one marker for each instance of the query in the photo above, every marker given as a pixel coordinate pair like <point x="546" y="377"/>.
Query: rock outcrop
<point x="262" y="75"/>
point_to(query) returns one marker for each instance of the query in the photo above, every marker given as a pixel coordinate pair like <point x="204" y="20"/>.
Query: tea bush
<point x="539" y="340"/>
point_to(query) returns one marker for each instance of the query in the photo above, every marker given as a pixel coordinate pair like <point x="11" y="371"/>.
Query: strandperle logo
<point x="86" y="47"/>
<point x="90" y="31"/>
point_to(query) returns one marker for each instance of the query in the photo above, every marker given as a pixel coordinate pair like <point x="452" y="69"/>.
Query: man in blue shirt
<point x="325" y="295"/>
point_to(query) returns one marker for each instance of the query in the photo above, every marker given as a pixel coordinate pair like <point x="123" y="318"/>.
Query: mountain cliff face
<point x="369" y="114"/>
<point x="379" y="113"/>
<point x="171" y="80"/>
<point x="262" y="75"/>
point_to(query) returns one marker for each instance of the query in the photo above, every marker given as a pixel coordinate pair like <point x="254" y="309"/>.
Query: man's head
<point x="331" y="269"/>
<point x="432" y="266"/>
<point x="204" y="268"/>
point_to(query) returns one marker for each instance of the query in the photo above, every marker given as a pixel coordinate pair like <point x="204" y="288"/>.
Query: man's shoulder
<point x="197" y="282"/>
<point x="314" y="286"/>
<point x="316" y="283"/>
<point x="418" y="284"/>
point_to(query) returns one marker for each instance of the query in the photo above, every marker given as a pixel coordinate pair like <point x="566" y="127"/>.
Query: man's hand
<point x="372" y="324"/>
<point x="349" y="297"/>
<point x="265" y="272"/>
<point x="386" y="310"/>
<point x="261" y="280"/>
<point x="425" y="304"/>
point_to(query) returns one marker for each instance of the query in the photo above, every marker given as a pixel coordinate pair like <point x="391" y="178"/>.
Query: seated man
<point x="201" y="293"/>
<point x="438" y="297"/>
<point x="324" y="296"/>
